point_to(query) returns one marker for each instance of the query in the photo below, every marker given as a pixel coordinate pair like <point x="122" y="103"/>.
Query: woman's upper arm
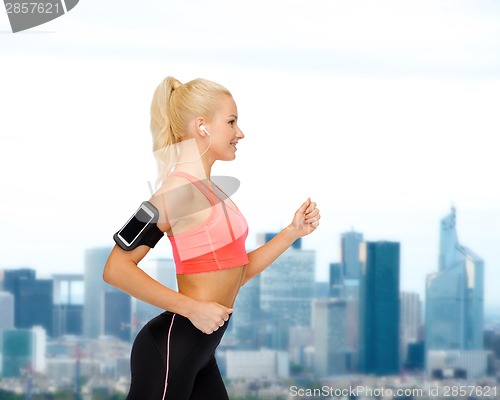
<point x="120" y="258"/>
<point x="119" y="255"/>
<point x="170" y="201"/>
<point x="136" y="255"/>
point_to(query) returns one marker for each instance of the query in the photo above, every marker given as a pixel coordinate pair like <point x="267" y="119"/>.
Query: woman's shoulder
<point x="173" y="199"/>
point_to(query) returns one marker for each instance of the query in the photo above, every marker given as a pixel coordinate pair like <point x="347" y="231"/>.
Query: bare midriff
<point x="218" y="286"/>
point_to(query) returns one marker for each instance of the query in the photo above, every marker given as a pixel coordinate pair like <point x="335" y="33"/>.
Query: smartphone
<point x="145" y="215"/>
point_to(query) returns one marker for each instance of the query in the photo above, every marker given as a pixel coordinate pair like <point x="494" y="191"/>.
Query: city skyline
<point x="294" y="327"/>
<point x="153" y="256"/>
<point x="360" y="324"/>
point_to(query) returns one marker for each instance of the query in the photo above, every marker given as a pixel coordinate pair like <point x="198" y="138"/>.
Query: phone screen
<point x="135" y="226"/>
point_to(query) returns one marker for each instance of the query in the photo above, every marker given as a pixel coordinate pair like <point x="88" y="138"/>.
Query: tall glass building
<point x="336" y="283"/>
<point x="329" y="321"/>
<point x="94" y="292"/>
<point x="287" y="287"/>
<point x="68" y="304"/>
<point x="454" y="295"/>
<point x="349" y="246"/>
<point x="411" y="323"/>
<point x="22" y="349"/>
<point x="33" y="299"/>
<point x="247" y="320"/>
<point x="6" y="310"/>
<point x="379" y="308"/>
<point x="286" y="293"/>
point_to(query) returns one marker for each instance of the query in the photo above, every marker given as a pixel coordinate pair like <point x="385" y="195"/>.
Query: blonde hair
<point x="174" y="105"/>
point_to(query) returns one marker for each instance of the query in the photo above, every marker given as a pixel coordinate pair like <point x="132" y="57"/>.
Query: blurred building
<point x="68" y="304"/>
<point x="454" y="317"/>
<point x="286" y="293"/>
<point x="72" y="360"/>
<point x="287" y="286"/>
<point x="379" y="308"/>
<point x="410" y="321"/>
<point x="94" y="293"/>
<point x="344" y="284"/>
<point x="454" y="295"/>
<point x="301" y="342"/>
<point x="463" y="364"/>
<point x="22" y="351"/>
<point x="349" y="254"/>
<point x="6" y="310"/>
<point x="33" y="299"/>
<point x="107" y="310"/>
<point x="331" y="355"/>
<point x="117" y="314"/>
<point x="337" y="284"/>
<point x="254" y="364"/>
<point x="246" y="322"/>
<point x="322" y="289"/>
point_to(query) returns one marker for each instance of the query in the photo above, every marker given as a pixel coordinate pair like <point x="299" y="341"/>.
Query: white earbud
<point x="202" y="127"/>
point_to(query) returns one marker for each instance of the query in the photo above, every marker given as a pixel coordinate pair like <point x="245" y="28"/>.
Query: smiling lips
<point x="234" y="144"/>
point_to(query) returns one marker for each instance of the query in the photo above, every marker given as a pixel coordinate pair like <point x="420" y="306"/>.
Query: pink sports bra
<point x="216" y="244"/>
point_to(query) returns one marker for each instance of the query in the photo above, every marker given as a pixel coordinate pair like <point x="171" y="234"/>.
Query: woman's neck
<point x="191" y="160"/>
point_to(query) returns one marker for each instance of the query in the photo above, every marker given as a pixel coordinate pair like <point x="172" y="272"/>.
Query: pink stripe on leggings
<point x="168" y="357"/>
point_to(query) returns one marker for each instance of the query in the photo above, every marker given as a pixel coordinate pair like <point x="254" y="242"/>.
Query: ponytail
<point x="161" y="127"/>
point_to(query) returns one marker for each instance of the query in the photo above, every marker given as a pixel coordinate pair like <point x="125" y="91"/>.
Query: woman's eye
<point x="231" y="122"/>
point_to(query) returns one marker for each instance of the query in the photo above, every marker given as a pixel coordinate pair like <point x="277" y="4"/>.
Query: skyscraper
<point x="287" y="287"/>
<point x="410" y="321"/>
<point x="349" y="254"/>
<point x="94" y="292"/>
<point x="36" y="304"/>
<point x="6" y="310"/>
<point x="330" y="336"/>
<point x="22" y="349"/>
<point x="117" y="314"/>
<point x="454" y="295"/>
<point x="106" y="310"/>
<point x="68" y="304"/>
<point x="33" y="299"/>
<point x="336" y="283"/>
<point x="379" y="308"/>
<point x="286" y="293"/>
<point x="411" y="315"/>
<point x="12" y="277"/>
<point x="246" y="324"/>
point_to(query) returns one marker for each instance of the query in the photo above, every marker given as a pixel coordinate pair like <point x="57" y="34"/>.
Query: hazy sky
<point x="383" y="112"/>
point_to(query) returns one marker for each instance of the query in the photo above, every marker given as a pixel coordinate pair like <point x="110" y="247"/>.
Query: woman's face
<point x="224" y="130"/>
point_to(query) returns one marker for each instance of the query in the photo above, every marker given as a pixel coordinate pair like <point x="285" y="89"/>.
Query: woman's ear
<point x="200" y="127"/>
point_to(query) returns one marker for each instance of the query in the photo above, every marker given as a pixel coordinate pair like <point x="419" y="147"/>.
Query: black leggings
<point x="171" y="345"/>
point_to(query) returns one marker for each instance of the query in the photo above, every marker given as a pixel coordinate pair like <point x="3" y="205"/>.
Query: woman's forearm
<point x="262" y="257"/>
<point x="128" y="277"/>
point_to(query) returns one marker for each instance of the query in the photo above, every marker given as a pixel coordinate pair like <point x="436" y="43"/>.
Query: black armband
<point x="140" y="229"/>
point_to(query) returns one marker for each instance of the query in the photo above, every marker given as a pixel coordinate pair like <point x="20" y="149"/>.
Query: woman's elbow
<point x="108" y="273"/>
<point x="120" y="265"/>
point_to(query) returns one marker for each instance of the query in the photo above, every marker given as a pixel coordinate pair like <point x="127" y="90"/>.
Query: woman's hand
<point x="306" y="219"/>
<point x="208" y="316"/>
